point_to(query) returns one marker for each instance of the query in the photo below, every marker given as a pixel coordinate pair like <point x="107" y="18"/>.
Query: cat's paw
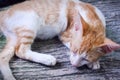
<point x="50" y="60"/>
<point x="94" y="65"/>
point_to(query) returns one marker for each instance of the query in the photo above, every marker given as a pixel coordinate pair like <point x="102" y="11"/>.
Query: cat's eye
<point x="85" y="59"/>
<point x="75" y="51"/>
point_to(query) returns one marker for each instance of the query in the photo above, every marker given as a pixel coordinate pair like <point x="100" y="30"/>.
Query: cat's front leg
<point x="42" y="58"/>
<point x="5" y="56"/>
<point x="94" y="65"/>
<point x="23" y="49"/>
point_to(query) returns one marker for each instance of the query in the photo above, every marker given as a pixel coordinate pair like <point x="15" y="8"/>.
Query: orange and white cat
<point x="80" y="26"/>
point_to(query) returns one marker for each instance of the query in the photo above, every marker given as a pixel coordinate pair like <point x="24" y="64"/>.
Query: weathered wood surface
<point x="110" y="64"/>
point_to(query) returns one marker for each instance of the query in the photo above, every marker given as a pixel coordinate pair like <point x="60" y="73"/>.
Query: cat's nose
<point x="75" y="64"/>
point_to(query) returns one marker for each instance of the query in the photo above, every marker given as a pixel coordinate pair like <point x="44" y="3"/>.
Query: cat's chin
<point x="80" y="64"/>
<point x="74" y="65"/>
<point x="93" y="66"/>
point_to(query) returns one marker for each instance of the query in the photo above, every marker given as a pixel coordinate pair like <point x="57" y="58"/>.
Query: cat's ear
<point x="76" y="29"/>
<point x="109" y="46"/>
<point x="76" y="23"/>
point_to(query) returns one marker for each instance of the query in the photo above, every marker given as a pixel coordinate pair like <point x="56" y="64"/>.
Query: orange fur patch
<point x="93" y="31"/>
<point x="28" y="39"/>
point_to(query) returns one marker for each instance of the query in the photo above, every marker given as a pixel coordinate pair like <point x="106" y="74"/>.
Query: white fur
<point x="27" y="19"/>
<point x="101" y="16"/>
<point x="84" y="13"/>
<point x="67" y="44"/>
<point x="94" y="66"/>
<point x="40" y="58"/>
<point x="77" y="59"/>
<point x="37" y="24"/>
<point x="6" y="73"/>
<point x="5" y="56"/>
<point x="46" y="31"/>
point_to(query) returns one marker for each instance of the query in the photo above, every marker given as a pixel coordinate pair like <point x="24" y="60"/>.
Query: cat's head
<point x="88" y="42"/>
<point x="88" y="55"/>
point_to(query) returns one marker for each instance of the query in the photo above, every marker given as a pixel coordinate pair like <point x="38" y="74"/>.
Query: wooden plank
<point x="25" y="70"/>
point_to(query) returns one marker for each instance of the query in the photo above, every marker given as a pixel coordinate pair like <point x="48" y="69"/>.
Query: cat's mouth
<point x="80" y="63"/>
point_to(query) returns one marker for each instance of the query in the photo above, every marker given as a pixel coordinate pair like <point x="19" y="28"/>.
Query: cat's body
<point x="80" y="26"/>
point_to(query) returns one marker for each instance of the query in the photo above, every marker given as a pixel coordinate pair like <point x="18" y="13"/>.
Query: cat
<point x="80" y="26"/>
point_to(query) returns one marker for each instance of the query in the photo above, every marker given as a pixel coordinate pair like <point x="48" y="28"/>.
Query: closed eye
<point x="85" y="59"/>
